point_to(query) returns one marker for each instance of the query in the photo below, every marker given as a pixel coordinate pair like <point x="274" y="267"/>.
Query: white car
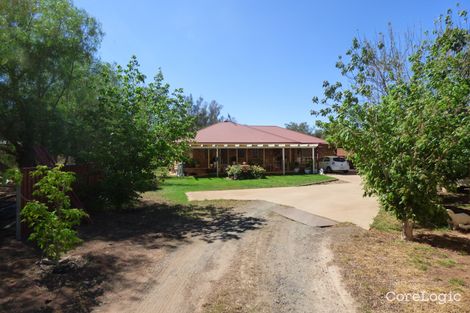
<point x="334" y="164"/>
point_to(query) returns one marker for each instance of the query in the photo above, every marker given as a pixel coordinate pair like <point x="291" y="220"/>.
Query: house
<point x="341" y="152"/>
<point x="277" y="149"/>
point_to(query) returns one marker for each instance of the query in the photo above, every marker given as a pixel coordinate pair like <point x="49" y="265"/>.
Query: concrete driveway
<point x="340" y="201"/>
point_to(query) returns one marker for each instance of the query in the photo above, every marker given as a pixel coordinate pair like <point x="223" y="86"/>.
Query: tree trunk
<point x="25" y="156"/>
<point x="407" y="233"/>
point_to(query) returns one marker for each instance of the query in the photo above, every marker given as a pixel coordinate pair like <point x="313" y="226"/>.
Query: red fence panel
<point x="83" y="173"/>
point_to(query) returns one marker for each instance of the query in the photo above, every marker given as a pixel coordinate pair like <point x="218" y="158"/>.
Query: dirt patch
<point x="282" y="268"/>
<point x="213" y="257"/>
<point x="374" y="263"/>
<point x="30" y="286"/>
<point x="115" y="263"/>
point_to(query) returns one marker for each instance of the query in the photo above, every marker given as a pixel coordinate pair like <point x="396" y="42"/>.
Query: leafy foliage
<point x="45" y="43"/>
<point x="245" y="171"/>
<point x="206" y="114"/>
<point x="408" y="136"/>
<point x="304" y="128"/>
<point x="52" y="219"/>
<point x="132" y="129"/>
<point x="11" y="175"/>
<point x="258" y="171"/>
<point x="54" y="93"/>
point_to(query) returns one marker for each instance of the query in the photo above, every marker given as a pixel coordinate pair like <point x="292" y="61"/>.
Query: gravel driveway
<point x="340" y="201"/>
<point x="282" y="266"/>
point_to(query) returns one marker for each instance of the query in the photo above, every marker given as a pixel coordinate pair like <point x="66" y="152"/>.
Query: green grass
<point x="174" y="189"/>
<point x="385" y="221"/>
<point x="447" y="262"/>
<point x="457" y="282"/>
<point x="420" y="262"/>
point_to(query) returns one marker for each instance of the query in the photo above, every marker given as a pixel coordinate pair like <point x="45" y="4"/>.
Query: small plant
<point x="52" y="219"/>
<point x="237" y="171"/>
<point x="245" y="171"/>
<point x="258" y="172"/>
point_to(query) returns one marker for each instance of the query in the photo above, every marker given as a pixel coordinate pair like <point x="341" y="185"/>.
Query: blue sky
<point x="262" y="60"/>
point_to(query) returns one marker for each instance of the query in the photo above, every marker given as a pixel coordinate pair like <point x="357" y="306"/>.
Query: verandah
<point x="280" y="160"/>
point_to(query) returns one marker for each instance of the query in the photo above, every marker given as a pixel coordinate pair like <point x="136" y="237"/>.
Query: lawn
<point x="174" y="189"/>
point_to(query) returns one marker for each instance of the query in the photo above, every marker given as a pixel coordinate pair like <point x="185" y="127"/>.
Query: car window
<point x="326" y="159"/>
<point x="339" y="159"/>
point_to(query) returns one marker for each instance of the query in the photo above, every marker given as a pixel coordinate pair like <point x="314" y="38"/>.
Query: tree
<point x="132" y="129"/>
<point x="206" y="114"/>
<point x="408" y="134"/>
<point x="52" y="219"/>
<point x="44" y="44"/>
<point x="303" y="127"/>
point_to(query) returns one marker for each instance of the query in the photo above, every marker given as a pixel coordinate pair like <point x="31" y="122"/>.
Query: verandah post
<point x="264" y="157"/>
<point x="283" y="161"/>
<point x="217" y="160"/>
<point x="313" y="160"/>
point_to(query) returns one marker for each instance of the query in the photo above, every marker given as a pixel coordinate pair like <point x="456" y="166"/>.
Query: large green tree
<point x="406" y="120"/>
<point x="131" y="129"/>
<point x="45" y="45"/>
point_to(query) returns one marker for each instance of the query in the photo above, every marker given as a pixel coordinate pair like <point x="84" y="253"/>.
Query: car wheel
<point x="328" y="169"/>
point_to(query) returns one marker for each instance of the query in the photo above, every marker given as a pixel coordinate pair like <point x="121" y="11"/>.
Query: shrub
<point x="245" y="171"/>
<point x="52" y="220"/>
<point x="258" y="171"/>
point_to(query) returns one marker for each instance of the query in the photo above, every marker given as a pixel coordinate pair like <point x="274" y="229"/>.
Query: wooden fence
<point x="24" y="192"/>
<point x="83" y="175"/>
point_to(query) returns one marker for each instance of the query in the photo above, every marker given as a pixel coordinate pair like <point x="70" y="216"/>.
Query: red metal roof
<point x="232" y="133"/>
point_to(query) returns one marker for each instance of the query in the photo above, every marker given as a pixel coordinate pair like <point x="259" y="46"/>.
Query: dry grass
<point x="377" y="261"/>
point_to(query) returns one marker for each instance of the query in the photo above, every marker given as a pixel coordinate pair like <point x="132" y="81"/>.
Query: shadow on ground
<point x="114" y="244"/>
<point x="180" y="222"/>
<point x="445" y="241"/>
<point x="73" y="285"/>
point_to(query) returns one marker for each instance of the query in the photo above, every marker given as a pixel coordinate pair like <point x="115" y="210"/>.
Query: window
<point x="339" y="159"/>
